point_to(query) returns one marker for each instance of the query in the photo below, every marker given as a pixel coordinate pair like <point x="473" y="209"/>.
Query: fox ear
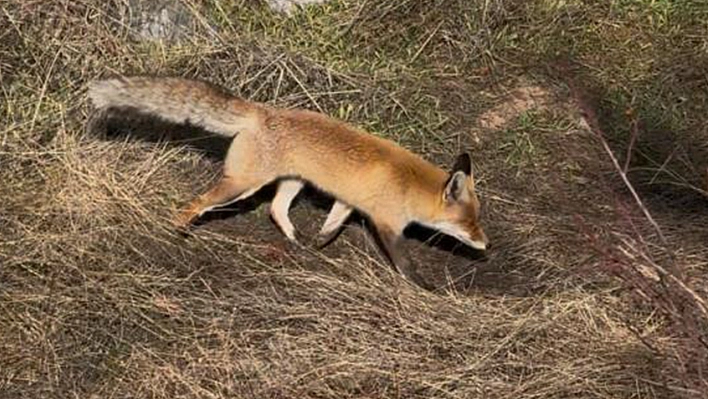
<point x="455" y="188"/>
<point x="463" y="164"/>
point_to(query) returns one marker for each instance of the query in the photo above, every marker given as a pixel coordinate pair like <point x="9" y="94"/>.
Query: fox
<point x="389" y="185"/>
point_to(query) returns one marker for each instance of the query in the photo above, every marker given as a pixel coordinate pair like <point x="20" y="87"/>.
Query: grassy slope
<point x="98" y="296"/>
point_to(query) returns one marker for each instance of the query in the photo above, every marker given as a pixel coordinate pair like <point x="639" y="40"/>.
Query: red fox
<point x="388" y="184"/>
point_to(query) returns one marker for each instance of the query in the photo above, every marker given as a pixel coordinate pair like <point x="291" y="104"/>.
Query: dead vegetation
<point x="581" y="296"/>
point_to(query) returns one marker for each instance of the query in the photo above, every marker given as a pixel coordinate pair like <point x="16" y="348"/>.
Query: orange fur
<point x="377" y="177"/>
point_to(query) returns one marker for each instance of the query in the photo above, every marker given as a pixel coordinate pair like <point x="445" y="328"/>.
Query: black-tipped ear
<point x="455" y="189"/>
<point x="463" y="164"/>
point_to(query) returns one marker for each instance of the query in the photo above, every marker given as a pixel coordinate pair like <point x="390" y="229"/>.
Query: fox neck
<point x="426" y="210"/>
<point x="424" y="198"/>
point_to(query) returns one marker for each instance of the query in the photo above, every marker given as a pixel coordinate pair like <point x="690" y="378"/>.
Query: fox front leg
<point x="391" y="242"/>
<point x="339" y="214"/>
<point x="287" y="191"/>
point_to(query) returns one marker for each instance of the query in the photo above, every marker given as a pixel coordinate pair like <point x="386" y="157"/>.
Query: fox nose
<point x="479" y="245"/>
<point x="485" y="241"/>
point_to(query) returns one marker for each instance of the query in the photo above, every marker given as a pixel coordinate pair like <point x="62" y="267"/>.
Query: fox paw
<point x="296" y="237"/>
<point x="183" y="220"/>
<point x="321" y="241"/>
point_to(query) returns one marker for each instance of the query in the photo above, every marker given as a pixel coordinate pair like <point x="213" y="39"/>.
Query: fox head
<point x="460" y="208"/>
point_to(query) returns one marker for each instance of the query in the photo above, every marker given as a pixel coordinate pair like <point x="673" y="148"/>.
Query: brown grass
<point x="99" y="297"/>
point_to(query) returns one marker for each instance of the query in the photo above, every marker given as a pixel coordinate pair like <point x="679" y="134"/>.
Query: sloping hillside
<point x="586" y="292"/>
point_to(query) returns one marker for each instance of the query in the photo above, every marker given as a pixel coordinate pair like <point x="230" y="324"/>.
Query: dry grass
<point x="99" y="297"/>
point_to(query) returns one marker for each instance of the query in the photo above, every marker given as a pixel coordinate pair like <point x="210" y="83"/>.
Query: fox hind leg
<point x="226" y="191"/>
<point x="243" y="176"/>
<point x="284" y="196"/>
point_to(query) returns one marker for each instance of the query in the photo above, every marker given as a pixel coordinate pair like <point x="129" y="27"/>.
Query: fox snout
<point x="478" y="240"/>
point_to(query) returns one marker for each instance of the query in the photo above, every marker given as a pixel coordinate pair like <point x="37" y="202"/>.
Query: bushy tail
<point x="176" y="100"/>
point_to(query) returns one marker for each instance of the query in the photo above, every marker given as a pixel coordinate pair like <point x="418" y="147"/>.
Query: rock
<point x="166" y="20"/>
<point x="288" y="6"/>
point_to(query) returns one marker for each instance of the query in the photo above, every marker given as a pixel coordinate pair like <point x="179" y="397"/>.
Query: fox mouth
<point x="461" y="235"/>
<point x="479" y="245"/>
<point x="464" y="238"/>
